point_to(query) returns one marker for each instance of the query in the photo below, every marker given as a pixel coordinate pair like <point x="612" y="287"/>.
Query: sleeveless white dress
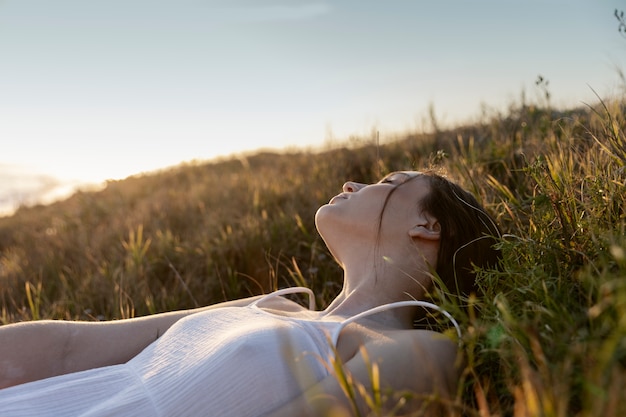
<point x="231" y="361"/>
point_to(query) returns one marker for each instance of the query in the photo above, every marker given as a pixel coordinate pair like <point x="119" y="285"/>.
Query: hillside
<point x="548" y="336"/>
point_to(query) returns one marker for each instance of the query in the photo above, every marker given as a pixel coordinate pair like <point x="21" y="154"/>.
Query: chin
<point x="319" y="216"/>
<point x="324" y="220"/>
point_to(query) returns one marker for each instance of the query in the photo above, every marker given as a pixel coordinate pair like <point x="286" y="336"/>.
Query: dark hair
<point x="468" y="234"/>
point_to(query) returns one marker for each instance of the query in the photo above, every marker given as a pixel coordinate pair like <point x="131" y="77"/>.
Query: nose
<point x="352" y="187"/>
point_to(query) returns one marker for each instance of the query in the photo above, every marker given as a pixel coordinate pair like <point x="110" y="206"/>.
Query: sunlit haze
<point x="96" y="90"/>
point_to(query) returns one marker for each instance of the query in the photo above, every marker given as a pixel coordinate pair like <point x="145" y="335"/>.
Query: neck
<point x="350" y="304"/>
<point x="368" y="284"/>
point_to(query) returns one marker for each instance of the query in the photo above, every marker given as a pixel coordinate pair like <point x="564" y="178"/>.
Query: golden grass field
<point x="547" y="337"/>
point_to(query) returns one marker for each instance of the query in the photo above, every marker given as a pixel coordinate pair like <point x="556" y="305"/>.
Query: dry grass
<point x="547" y="339"/>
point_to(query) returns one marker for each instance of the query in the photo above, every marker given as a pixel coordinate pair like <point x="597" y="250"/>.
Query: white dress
<point x="232" y="361"/>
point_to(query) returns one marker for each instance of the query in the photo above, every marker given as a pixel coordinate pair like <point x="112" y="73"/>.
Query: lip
<point x="342" y="196"/>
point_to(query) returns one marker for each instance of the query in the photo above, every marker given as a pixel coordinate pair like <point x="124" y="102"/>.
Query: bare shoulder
<point x="424" y="341"/>
<point x="418" y="360"/>
<point x="437" y="347"/>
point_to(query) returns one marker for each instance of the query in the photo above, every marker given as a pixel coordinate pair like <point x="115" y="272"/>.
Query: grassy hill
<point x="547" y="339"/>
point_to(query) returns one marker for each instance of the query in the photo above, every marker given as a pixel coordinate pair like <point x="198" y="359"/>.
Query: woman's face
<point x="368" y="214"/>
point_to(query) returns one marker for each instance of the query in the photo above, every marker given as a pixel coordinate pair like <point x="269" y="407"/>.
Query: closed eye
<point x="394" y="178"/>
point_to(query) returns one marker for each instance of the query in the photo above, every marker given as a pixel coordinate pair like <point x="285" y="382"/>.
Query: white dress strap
<point x="385" y="307"/>
<point x="290" y="290"/>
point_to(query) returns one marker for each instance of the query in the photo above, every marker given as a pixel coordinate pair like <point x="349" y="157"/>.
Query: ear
<point x="429" y="229"/>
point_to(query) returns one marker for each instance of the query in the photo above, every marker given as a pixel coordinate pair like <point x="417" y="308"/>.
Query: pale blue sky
<point x="93" y="90"/>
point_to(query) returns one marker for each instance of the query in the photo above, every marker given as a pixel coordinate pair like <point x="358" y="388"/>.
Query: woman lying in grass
<point x="267" y="355"/>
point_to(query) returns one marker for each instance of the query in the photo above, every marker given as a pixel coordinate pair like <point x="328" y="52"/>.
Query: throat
<point x="383" y="316"/>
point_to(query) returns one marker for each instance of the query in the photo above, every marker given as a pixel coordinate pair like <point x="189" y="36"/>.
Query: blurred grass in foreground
<point x="548" y="338"/>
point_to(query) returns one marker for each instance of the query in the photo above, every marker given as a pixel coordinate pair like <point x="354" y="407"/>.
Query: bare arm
<point x="424" y="364"/>
<point x="40" y="349"/>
